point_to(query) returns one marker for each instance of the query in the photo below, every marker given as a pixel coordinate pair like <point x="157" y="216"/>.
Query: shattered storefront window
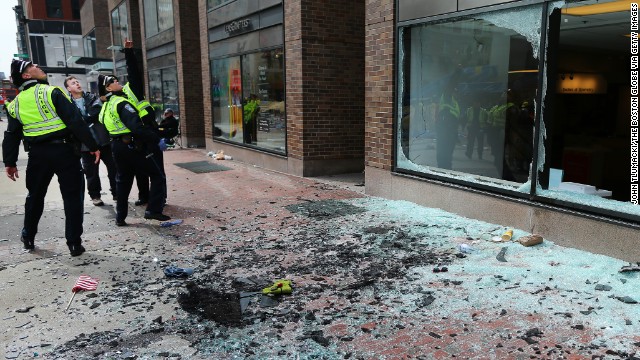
<point x="586" y="153"/>
<point x="467" y="95"/>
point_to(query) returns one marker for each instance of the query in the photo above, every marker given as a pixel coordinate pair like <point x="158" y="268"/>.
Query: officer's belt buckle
<point x="126" y="139"/>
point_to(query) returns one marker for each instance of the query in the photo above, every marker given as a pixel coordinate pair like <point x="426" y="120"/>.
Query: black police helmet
<point x="17" y="69"/>
<point x="103" y="82"/>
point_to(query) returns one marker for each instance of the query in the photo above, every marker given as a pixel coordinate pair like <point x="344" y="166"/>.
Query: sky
<point x="8" y="31"/>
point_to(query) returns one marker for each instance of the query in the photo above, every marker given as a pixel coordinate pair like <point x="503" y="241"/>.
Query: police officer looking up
<point x="51" y="127"/>
<point x="133" y="147"/>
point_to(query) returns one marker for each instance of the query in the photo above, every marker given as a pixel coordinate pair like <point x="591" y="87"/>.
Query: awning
<point x="84" y="60"/>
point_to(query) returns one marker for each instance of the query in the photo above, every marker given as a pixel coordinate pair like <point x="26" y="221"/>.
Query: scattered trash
<point x="24" y="309"/>
<point x="507" y="235"/>
<point x="530" y="240"/>
<point x="465" y="248"/>
<point x="601" y="287"/>
<point x="629" y="268"/>
<point x="221" y="156"/>
<point x="500" y="256"/>
<point x="171" y="223"/>
<point x="627" y="299"/>
<point x="173" y="271"/>
<point x="441" y="269"/>
<point x="279" y="287"/>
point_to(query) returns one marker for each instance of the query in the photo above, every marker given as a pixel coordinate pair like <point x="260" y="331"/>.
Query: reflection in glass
<point x="263" y="92"/>
<point x="214" y="3"/>
<point x="248" y="99"/>
<point x="89" y="42"/>
<point x="150" y="18"/>
<point x="120" y="24"/>
<point x="158" y="16"/>
<point x="165" y="15"/>
<point x="226" y="95"/>
<point x="467" y="92"/>
<point x="163" y="91"/>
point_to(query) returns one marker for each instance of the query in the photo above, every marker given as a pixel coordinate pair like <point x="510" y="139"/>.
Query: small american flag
<point x="85" y="283"/>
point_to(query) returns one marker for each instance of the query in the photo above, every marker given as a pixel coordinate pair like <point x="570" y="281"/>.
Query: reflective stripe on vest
<point x="110" y="118"/>
<point x="140" y="105"/>
<point x="453" y="108"/>
<point x="499" y="114"/>
<point x="34" y="109"/>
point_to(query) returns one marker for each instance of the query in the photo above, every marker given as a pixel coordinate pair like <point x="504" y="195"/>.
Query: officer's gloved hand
<point x="162" y="145"/>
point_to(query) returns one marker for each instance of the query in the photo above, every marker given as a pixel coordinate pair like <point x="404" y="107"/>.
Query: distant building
<point x="52" y="35"/>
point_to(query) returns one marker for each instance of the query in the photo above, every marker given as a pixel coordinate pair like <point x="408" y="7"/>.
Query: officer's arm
<point x="129" y="116"/>
<point x="133" y="72"/>
<point x="71" y="117"/>
<point x="11" y="142"/>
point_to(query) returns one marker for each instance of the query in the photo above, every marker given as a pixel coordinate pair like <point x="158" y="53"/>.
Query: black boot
<point x="76" y="250"/>
<point x="27" y="243"/>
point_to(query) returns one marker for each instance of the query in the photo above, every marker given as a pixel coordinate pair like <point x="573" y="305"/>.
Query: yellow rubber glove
<point x="279" y="287"/>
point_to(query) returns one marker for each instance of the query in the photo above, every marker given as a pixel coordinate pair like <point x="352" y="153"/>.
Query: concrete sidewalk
<point x="372" y="279"/>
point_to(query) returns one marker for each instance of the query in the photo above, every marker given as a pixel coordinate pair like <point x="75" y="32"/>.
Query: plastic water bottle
<point x="171" y="223"/>
<point x="464" y="248"/>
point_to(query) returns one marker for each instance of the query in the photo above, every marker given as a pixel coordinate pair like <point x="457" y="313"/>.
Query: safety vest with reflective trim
<point x="34" y="109"/>
<point x="140" y="105"/>
<point x="452" y="107"/>
<point x="110" y="118"/>
<point x="498" y="114"/>
<point x="483" y="116"/>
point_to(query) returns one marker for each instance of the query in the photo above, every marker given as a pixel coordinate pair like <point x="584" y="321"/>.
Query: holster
<point x="126" y="139"/>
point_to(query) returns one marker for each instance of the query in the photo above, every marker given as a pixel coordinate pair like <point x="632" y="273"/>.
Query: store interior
<point x="589" y="132"/>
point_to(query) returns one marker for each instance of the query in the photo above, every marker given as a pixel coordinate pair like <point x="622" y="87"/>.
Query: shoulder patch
<point x="130" y="108"/>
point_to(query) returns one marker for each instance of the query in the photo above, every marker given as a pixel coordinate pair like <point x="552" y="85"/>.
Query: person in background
<point x="476" y="117"/>
<point x="447" y="122"/>
<point x="51" y="127"/>
<point x="89" y="105"/>
<point x="168" y="127"/>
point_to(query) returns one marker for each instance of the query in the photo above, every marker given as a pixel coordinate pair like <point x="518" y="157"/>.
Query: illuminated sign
<point x="581" y="83"/>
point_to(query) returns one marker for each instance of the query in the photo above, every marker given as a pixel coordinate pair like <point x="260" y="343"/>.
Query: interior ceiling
<point x="596" y="32"/>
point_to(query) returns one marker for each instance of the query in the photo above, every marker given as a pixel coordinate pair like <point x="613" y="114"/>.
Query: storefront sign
<point x="581" y="84"/>
<point x="238" y="26"/>
<point x="263" y="124"/>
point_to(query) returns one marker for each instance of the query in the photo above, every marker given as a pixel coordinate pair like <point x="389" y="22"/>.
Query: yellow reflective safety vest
<point x="498" y="114"/>
<point x="34" y="109"/>
<point x="451" y="106"/>
<point x="140" y="105"/>
<point x="483" y="117"/>
<point x="110" y="118"/>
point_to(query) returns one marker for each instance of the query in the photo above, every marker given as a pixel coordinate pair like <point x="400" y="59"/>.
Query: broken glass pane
<point x="467" y="95"/>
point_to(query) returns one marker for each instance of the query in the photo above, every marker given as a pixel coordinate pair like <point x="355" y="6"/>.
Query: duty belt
<point x="125" y="139"/>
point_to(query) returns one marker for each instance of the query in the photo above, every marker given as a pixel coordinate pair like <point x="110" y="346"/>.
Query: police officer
<point x="51" y="128"/>
<point x="134" y="89"/>
<point x="133" y="147"/>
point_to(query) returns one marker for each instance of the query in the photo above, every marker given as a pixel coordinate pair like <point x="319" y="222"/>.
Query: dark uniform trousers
<point x="128" y="161"/>
<point x="45" y="160"/>
<point x="92" y="171"/>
